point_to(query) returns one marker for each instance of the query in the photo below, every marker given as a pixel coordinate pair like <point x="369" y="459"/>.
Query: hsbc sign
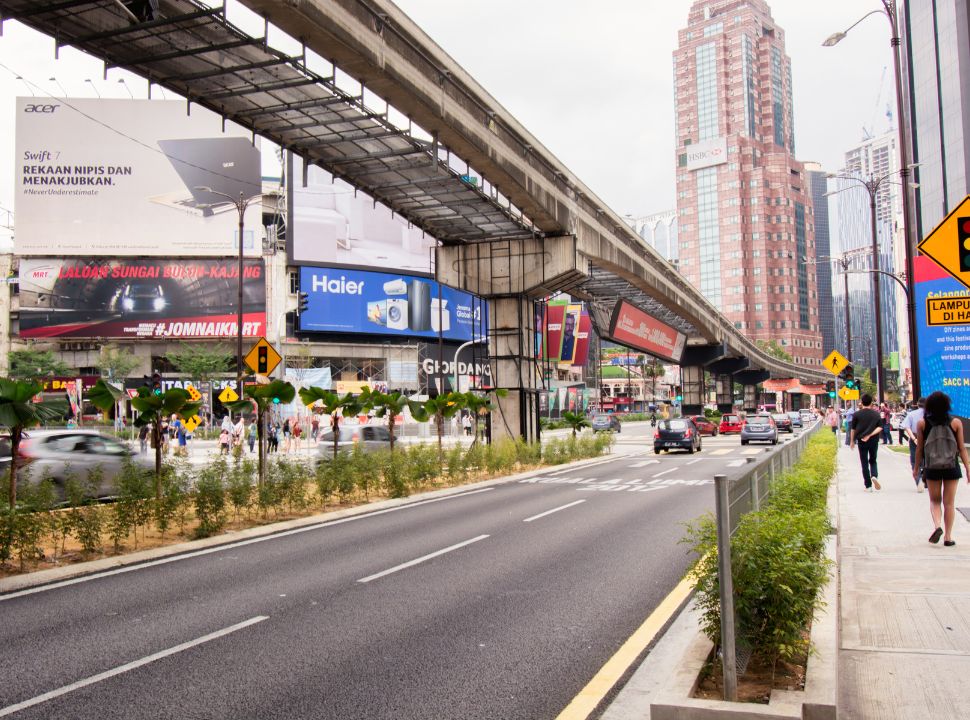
<point x="707" y="153"/>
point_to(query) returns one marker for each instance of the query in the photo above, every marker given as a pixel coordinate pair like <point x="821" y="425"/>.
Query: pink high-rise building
<point x="745" y="219"/>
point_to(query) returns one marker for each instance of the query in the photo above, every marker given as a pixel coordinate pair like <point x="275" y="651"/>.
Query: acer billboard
<point x="131" y="178"/>
<point x="631" y="326"/>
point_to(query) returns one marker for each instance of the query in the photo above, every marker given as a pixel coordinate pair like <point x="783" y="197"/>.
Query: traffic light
<point x="848" y="375"/>
<point x="156" y="384"/>
<point x="963" y="232"/>
<point x="262" y="360"/>
<point x="303" y="303"/>
<point x="830" y="388"/>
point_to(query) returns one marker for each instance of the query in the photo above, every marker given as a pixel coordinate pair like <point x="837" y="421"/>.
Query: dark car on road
<point x="604" y="422"/>
<point x="677" y="433"/>
<point x="730" y="424"/>
<point x="761" y="428"/>
<point x="704" y="426"/>
<point x="783" y="422"/>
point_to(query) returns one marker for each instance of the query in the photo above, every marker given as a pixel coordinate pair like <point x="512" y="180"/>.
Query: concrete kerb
<point x="46" y="577"/>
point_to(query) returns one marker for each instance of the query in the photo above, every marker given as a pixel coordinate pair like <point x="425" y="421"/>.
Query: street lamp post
<point x="890" y="11"/>
<point x="241" y="203"/>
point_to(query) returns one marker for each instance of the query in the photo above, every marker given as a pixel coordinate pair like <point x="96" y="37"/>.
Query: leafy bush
<point x="240" y="486"/>
<point x="395" y="474"/>
<point x="210" y="499"/>
<point x="422" y="464"/>
<point x="777" y="558"/>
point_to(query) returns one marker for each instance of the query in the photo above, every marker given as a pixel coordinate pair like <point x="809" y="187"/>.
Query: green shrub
<point x="528" y="453"/>
<point x="240" y="486"/>
<point x="421" y="464"/>
<point x="456" y="467"/>
<point x="395" y="474"/>
<point x="172" y="506"/>
<point x="501" y="456"/>
<point x="777" y="558"/>
<point x="210" y="499"/>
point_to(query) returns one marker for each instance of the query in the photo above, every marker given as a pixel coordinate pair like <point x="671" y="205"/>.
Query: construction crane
<point x="868" y="132"/>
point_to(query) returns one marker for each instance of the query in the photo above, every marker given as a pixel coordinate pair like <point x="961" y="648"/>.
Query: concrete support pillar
<point x="693" y="389"/>
<point x="724" y="390"/>
<point x="750" y="398"/>
<point x="511" y="275"/>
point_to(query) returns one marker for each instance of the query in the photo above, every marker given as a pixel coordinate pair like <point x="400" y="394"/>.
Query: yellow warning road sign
<point x="262" y="359"/>
<point x="847" y="394"/>
<point x="835" y="362"/>
<point x="192" y="423"/>
<point x="194" y="395"/>
<point x="228" y="395"/>
<point x="949" y="243"/>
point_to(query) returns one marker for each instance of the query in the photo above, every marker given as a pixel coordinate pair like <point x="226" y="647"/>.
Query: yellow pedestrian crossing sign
<point x="848" y="394"/>
<point x="192" y="423"/>
<point x="228" y="395"/>
<point x="835" y="363"/>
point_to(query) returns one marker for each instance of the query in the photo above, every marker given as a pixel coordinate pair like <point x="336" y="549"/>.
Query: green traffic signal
<point x="831" y="393"/>
<point x="680" y="398"/>
<point x="850" y="383"/>
<point x="276" y="401"/>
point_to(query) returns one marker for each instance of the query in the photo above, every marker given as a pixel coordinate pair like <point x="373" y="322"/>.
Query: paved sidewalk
<point x="904" y="646"/>
<point x="904" y="650"/>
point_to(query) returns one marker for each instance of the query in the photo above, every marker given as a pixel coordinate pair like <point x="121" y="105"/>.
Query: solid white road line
<point x="11" y="709"/>
<point x="418" y="561"/>
<point x="664" y="472"/>
<point x="722" y="451"/>
<point x="230" y="546"/>
<point x="550" y="512"/>
<point x="691" y="462"/>
<point x="644" y="463"/>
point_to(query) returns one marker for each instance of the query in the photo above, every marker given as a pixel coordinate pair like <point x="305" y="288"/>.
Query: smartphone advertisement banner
<point x="360" y="301"/>
<point x="634" y="328"/>
<point x="565" y="334"/>
<point x="144" y="298"/>
<point x="132" y="178"/>
<point x="944" y="334"/>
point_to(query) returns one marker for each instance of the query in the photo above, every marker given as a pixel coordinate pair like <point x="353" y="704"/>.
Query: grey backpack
<point x="940" y="449"/>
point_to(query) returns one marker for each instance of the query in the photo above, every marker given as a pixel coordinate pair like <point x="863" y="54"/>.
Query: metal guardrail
<point x="747" y="491"/>
<point x="734" y="498"/>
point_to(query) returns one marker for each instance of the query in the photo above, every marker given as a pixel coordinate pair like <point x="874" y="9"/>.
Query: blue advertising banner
<point x="360" y="301"/>
<point x="944" y="334"/>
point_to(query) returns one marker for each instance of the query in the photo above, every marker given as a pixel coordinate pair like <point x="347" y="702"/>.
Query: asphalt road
<point x="496" y="603"/>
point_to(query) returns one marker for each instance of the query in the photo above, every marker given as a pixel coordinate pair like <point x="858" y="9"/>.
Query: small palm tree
<point x="390" y="405"/>
<point x="18" y="412"/>
<point x="263" y="397"/>
<point x="575" y="421"/>
<point x="443" y="407"/>
<point x="334" y="405"/>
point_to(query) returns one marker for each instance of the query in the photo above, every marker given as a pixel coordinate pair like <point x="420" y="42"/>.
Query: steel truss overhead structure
<point x="191" y="48"/>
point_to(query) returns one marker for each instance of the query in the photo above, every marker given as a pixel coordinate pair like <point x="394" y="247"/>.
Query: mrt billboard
<point x="144" y="298"/>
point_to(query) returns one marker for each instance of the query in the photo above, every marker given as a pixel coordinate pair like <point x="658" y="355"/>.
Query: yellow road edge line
<point x="596" y="689"/>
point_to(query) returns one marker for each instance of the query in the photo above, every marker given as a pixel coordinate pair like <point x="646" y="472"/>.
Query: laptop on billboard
<point x="228" y="165"/>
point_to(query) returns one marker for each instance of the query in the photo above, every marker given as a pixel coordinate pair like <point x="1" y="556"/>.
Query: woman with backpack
<point x="939" y="445"/>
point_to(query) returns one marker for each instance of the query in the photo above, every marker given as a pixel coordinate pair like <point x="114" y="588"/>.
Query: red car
<point x="704" y="426"/>
<point x="731" y="424"/>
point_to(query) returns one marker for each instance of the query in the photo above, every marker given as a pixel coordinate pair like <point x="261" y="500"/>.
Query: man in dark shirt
<point x="865" y="430"/>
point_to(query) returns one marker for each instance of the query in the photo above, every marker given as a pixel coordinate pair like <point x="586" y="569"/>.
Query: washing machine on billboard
<point x="419" y="305"/>
<point x="397" y="314"/>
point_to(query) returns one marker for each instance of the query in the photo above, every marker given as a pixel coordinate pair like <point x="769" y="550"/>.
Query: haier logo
<point x="34" y="108"/>
<point x="343" y="286"/>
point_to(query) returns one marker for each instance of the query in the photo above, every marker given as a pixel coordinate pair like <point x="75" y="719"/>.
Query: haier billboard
<point x="359" y="301"/>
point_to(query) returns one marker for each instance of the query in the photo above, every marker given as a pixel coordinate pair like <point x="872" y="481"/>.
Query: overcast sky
<point x="592" y="81"/>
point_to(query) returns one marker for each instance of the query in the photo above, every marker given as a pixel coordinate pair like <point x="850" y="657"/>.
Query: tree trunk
<point x="157" y="434"/>
<point x="260" y="436"/>
<point x="440" y="424"/>
<point x="390" y="428"/>
<point x="16" y="433"/>
<point x="335" y="431"/>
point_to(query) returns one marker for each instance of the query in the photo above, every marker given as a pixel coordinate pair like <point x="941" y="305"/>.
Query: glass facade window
<point x="777" y="97"/>
<point x="800" y="247"/>
<point x="709" y="235"/>
<point x="706" y="74"/>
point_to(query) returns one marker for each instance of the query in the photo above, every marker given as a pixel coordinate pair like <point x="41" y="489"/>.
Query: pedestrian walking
<point x="286" y="435"/>
<point x="939" y="448"/>
<point x="224" y="437"/>
<point x="315" y="428"/>
<point x="251" y="436"/>
<point x="847" y="424"/>
<point x="143" y="438"/>
<point x="466" y="423"/>
<point x="864" y="430"/>
<point x="832" y="419"/>
<point x="887" y="434"/>
<point x="908" y="426"/>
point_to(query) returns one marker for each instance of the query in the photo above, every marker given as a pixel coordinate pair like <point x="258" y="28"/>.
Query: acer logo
<point x="34" y="108"/>
<point x="228" y="164"/>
